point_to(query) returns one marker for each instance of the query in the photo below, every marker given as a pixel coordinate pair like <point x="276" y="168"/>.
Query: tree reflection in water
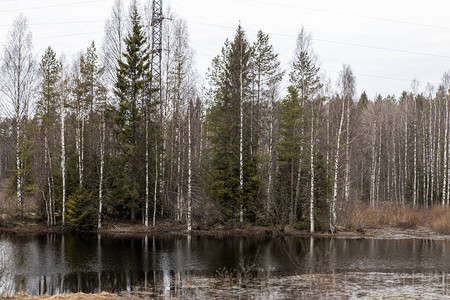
<point x="219" y="267"/>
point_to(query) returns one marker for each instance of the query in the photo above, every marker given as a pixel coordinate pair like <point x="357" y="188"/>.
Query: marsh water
<point x="217" y="267"/>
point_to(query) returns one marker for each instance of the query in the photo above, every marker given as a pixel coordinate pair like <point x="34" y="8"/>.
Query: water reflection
<point x="173" y="265"/>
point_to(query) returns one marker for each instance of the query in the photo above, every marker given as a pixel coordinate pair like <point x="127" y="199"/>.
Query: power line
<point x="334" y="42"/>
<point x="61" y="23"/>
<point x="373" y="76"/>
<point x="50" y="6"/>
<point x="381" y="48"/>
<point x="57" y="23"/>
<point x="67" y="35"/>
<point x="351" y="15"/>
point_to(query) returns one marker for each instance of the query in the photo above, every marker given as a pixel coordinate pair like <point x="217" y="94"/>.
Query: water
<point x="219" y="267"/>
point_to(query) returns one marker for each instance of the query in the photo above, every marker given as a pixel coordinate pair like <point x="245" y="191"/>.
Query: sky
<point x="387" y="43"/>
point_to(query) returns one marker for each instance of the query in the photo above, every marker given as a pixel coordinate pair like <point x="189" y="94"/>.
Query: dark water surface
<point x="166" y="265"/>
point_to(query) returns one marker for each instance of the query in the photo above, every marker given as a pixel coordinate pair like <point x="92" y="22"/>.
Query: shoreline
<point x="166" y="228"/>
<point x="74" y="296"/>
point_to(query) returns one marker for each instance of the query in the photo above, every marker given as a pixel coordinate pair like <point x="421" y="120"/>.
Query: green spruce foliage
<point x="132" y="75"/>
<point x="223" y="125"/>
<point x="80" y="212"/>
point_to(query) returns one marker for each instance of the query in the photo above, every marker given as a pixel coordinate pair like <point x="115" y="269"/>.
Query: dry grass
<point x="440" y="220"/>
<point x="8" y="201"/>
<point x="385" y="216"/>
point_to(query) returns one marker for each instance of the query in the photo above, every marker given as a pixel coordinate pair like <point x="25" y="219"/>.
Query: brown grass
<point x="385" y="215"/>
<point x="440" y="220"/>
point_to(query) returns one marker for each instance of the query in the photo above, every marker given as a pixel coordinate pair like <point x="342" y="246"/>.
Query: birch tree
<point x="113" y="45"/>
<point x="64" y="95"/>
<point x="17" y="86"/>
<point x="347" y="86"/>
<point x="348" y="89"/>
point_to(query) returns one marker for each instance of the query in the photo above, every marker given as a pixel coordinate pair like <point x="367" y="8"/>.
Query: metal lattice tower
<point x="156" y="80"/>
<point x="156" y="49"/>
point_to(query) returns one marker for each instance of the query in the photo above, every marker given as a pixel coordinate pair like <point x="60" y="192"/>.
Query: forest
<point x="91" y="142"/>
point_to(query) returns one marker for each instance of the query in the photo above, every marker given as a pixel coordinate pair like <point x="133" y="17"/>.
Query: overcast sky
<point x="387" y="43"/>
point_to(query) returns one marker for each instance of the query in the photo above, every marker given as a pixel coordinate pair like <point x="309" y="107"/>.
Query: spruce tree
<point x="47" y="106"/>
<point x="232" y="171"/>
<point x="302" y="91"/>
<point x="290" y="117"/>
<point x="266" y="76"/>
<point x="131" y="78"/>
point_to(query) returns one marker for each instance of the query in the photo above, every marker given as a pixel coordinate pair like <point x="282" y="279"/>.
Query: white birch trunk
<point x="433" y="153"/>
<point x="241" y="143"/>
<point x="63" y="160"/>
<point x="333" y="215"/>
<point x="378" y="173"/>
<point x="19" y="168"/>
<point x="189" y="191"/>
<point x="77" y="146"/>
<point x="178" y="213"/>
<point x="439" y="150"/>
<point x="447" y="197"/>
<point x="299" y="174"/>
<point x="328" y="138"/>
<point x="405" y="175"/>
<point x="269" y="180"/>
<point x="394" y="171"/>
<point x="147" y="167"/>
<point x="415" y="158"/>
<point x="49" y="188"/>
<point x="102" y="164"/>
<point x="156" y="184"/>
<point x="82" y="151"/>
<point x="311" y="200"/>
<point x="444" y="180"/>
<point x="51" y="199"/>
<point x="425" y="162"/>
<point x="373" y="169"/>
<point x="347" y="158"/>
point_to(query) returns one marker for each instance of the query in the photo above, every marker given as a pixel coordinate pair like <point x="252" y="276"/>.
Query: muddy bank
<point x="167" y="228"/>
<point x="77" y="296"/>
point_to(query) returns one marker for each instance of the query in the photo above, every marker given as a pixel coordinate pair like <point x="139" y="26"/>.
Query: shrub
<point x="80" y="213"/>
<point x="301" y="225"/>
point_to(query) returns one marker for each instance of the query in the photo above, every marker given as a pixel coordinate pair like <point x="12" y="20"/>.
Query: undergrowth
<point x="436" y="218"/>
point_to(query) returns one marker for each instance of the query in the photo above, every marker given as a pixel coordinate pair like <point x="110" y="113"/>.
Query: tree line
<point x="93" y="141"/>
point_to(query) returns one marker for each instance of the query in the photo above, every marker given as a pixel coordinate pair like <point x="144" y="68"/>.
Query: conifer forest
<point x="100" y="139"/>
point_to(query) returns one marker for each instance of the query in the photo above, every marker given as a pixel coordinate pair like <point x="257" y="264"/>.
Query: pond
<point x="220" y="267"/>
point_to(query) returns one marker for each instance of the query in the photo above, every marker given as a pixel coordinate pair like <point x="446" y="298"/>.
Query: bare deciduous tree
<point x="17" y="86"/>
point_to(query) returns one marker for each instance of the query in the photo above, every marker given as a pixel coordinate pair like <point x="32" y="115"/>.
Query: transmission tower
<point x="156" y="48"/>
<point x="156" y="82"/>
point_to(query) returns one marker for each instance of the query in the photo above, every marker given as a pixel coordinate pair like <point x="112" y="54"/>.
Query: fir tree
<point x="47" y="112"/>
<point x="266" y="75"/>
<point x="232" y="167"/>
<point x="290" y="117"/>
<point x="131" y="78"/>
